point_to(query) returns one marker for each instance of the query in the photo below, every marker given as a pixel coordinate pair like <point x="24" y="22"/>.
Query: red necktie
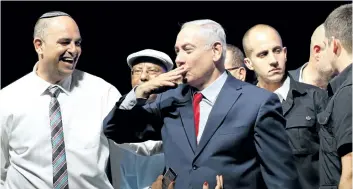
<point x="196" y="105"/>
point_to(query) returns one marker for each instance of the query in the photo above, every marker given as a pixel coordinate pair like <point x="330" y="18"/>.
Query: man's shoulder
<point x="79" y="76"/>
<point x="17" y="85"/>
<point x="256" y="92"/>
<point x="308" y="87"/>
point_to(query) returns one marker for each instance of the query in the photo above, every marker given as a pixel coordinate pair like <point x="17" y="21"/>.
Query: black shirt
<point x="336" y="130"/>
<point x="301" y="107"/>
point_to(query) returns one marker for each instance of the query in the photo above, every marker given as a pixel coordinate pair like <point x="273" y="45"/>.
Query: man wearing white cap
<point x="128" y="163"/>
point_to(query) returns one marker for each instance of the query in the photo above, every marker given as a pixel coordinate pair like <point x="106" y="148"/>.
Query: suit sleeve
<point x="272" y="145"/>
<point x="138" y="123"/>
<point x="148" y="148"/>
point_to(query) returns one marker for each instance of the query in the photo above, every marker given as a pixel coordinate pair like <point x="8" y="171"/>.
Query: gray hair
<point x="43" y="23"/>
<point x="213" y="30"/>
<point x="339" y="25"/>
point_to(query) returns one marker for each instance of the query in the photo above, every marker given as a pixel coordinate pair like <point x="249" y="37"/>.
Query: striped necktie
<point x="60" y="175"/>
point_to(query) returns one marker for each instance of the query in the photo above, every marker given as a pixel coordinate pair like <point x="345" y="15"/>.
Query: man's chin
<point x="66" y="71"/>
<point x="276" y="78"/>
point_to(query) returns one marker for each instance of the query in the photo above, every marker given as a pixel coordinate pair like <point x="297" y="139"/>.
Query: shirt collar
<point x="211" y="92"/>
<point x="42" y="86"/>
<point x="301" y="72"/>
<point x="341" y="78"/>
<point x="282" y="92"/>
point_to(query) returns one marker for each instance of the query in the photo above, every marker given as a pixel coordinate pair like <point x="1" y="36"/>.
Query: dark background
<point x="112" y="30"/>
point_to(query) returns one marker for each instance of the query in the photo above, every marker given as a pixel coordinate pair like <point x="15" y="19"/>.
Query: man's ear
<point x="217" y="50"/>
<point x="316" y="52"/>
<point x="248" y="63"/>
<point x="242" y="73"/>
<point x="285" y="52"/>
<point x="38" y="45"/>
<point x="337" y="46"/>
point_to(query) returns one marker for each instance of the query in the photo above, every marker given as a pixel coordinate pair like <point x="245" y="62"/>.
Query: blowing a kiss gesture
<point x="161" y="83"/>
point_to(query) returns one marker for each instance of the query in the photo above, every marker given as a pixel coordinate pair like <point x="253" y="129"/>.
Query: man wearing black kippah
<point x="51" y="118"/>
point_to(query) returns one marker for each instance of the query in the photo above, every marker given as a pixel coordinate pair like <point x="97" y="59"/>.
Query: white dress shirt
<point x="210" y="95"/>
<point x="26" y="151"/>
<point x="282" y="92"/>
<point x="301" y="73"/>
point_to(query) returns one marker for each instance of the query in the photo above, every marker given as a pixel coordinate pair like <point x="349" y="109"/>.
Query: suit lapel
<point x="187" y="118"/>
<point x="225" y="100"/>
<point x="288" y="103"/>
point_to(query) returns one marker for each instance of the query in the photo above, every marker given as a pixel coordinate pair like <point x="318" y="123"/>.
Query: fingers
<point x="158" y="183"/>
<point x="171" y="185"/>
<point x="167" y="84"/>
<point x="205" y="185"/>
<point x="177" y="71"/>
<point x="219" y="179"/>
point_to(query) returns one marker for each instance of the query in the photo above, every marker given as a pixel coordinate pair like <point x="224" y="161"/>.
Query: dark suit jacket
<point x="295" y="73"/>
<point x="244" y="139"/>
<point x="304" y="102"/>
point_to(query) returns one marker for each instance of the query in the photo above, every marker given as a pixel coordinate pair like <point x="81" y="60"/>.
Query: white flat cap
<point x="164" y="58"/>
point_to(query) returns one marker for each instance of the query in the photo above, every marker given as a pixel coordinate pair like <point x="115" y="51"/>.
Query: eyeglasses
<point x="138" y="72"/>
<point x="233" y="68"/>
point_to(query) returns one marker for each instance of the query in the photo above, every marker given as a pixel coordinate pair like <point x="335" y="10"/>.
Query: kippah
<point x="54" y="14"/>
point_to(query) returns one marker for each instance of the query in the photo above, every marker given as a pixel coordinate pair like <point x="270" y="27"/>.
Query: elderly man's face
<point x="61" y="47"/>
<point x="193" y="53"/>
<point x="144" y="71"/>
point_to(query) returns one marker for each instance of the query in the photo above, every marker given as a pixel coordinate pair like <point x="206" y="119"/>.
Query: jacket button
<point x="194" y="167"/>
<point x="308" y="118"/>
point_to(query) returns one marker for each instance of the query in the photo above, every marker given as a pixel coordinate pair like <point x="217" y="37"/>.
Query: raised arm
<point x="272" y="144"/>
<point x="131" y="120"/>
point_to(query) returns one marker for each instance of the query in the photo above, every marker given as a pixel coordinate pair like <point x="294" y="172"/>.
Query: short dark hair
<point x="237" y="56"/>
<point x="339" y="25"/>
<point x="42" y="23"/>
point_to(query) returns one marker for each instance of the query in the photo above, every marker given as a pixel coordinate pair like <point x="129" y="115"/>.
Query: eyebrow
<point x="264" y="51"/>
<point x="69" y="39"/>
<point x="274" y="48"/>
<point x="186" y="44"/>
<point x="277" y="47"/>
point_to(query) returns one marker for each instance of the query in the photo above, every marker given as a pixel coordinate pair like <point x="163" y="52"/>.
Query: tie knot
<point x="54" y="91"/>
<point x="197" y="97"/>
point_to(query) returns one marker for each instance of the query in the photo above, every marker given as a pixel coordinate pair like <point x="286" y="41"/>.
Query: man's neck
<point x="212" y="78"/>
<point x="311" y="76"/>
<point x="269" y="86"/>
<point x="343" y="62"/>
<point x="43" y="73"/>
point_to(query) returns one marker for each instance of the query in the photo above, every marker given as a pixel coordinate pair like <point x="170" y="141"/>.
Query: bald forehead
<point x="257" y="34"/>
<point x="319" y="33"/>
<point x="262" y="32"/>
<point x="61" y="22"/>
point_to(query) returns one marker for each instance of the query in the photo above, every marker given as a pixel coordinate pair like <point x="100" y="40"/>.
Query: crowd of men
<point x="201" y="116"/>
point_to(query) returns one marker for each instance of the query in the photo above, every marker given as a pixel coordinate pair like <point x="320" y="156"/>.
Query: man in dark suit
<point x="301" y="102"/>
<point x="212" y="124"/>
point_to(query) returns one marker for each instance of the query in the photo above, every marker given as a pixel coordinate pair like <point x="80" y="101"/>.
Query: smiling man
<point x="51" y="118"/>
